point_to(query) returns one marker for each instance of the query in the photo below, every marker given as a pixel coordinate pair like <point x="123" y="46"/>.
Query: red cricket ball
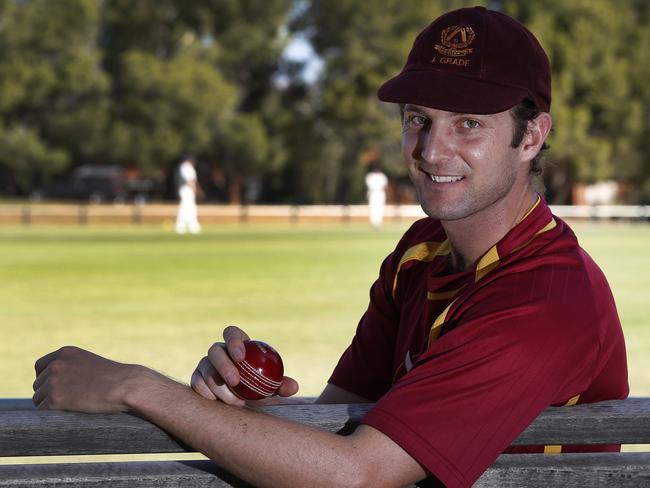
<point x="260" y="372"/>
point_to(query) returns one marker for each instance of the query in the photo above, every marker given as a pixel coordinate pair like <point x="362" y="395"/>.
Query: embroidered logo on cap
<point x="455" y="41"/>
<point x="454" y="45"/>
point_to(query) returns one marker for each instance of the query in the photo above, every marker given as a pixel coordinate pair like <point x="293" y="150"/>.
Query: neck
<point x="473" y="236"/>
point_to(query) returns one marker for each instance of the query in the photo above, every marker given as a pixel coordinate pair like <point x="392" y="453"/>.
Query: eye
<point x="470" y="124"/>
<point x="414" y="120"/>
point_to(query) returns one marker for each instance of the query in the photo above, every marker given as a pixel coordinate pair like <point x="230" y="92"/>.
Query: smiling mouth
<point x="445" y="179"/>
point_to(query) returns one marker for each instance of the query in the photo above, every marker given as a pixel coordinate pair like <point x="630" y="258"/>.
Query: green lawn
<point x="146" y="295"/>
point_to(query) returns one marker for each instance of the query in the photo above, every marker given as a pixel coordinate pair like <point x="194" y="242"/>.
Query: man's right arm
<point x="261" y="449"/>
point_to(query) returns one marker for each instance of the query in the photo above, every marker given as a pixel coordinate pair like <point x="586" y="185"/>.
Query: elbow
<point x="358" y="471"/>
<point x="371" y="459"/>
<point x="355" y="476"/>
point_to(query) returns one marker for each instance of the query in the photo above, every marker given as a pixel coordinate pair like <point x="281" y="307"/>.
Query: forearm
<point x="263" y="450"/>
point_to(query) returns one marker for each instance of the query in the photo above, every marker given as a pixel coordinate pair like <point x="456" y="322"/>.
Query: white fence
<point x="29" y="214"/>
<point x="602" y="211"/>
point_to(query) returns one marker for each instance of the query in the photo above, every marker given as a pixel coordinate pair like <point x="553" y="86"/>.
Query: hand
<point x="75" y="379"/>
<point x="217" y="370"/>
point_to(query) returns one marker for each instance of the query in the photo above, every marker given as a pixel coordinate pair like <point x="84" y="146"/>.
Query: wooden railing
<point x="156" y="213"/>
<point x="25" y="431"/>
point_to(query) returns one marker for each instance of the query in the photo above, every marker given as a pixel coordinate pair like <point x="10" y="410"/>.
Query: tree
<point x="53" y="94"/>
<point x="140" y="82"/>
<point x="166" y="108"/>
<point x="250" y="37"/>
<point x="362" y="44"/>
<point x="640" y="74"/>
<point x="195" y="77"/>
<point x="595" y="48"/>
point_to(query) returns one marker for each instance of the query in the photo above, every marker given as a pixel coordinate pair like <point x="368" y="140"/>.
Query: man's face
<point x="460" y="164"/>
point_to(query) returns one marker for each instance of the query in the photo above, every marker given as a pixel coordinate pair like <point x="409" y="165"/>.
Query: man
<point x="486" y="313"/>
<point x="376" y="183"/>
<point x="188" y="187"/>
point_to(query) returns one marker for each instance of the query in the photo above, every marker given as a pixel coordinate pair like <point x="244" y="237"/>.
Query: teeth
<point x="445" y="179"/>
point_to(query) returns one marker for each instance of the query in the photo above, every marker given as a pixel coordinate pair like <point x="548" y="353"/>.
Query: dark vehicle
<point x="102" y="183"/>
<point x="91" y="183"/>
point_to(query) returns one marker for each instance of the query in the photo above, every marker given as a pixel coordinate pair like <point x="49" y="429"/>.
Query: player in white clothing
<point x="376" y="183"/>
<point x="187" y="219"/>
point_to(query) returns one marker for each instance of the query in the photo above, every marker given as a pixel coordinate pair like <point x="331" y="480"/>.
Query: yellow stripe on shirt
<point x="487" y="263"/>
<point x="425" y="251"/>
<point x="555" y="448"/>
<point x="442" y="295"/>
<point x="530" y="210"/>
<point x="436" y="328"/>
<point x="551" y="225"/>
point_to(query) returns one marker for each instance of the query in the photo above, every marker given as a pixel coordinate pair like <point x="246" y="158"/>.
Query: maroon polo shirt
<point x="460" y="363"/>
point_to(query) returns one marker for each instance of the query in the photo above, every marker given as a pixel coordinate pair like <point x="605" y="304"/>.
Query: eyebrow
<point x="414" y="108"/>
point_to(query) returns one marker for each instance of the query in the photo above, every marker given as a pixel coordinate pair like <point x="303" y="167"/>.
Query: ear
<point x="536" y="133"/>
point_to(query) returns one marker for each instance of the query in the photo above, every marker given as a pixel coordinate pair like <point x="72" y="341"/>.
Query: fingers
<point x="74" y="379"/>
<point x="43" y="384"/>
<point x="198" y="385"/>
<point x="288" y="387"/>
<point x="235" y="338"/>
<point x="217" y="372"/>
<point x="43" y="362"/>
<point x="207" y="382"/>
<point x="40" y="379"/>
<point x="39" y="396"/>
<point x="43" y="368"/>
<point x="223" y="365"/>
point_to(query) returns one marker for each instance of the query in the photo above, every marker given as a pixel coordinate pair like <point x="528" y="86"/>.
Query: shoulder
<point x="552" y="284"/>
<point x="418" y="244"/>
<point x="421" y="241"/>
<point x="423" y="230"/>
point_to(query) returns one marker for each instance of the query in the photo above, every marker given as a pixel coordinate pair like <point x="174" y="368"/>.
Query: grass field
<point x="140" y="294"/>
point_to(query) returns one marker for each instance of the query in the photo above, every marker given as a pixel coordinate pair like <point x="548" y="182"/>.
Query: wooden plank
<point x="616" y="421"/>
<point x="11" y="404"/>
<point x="143" y="474"/>
<point x="37" y="433"/>
<point x="620" y="470"/>
<point x="43" y="433"/>
<point x="509" y="471"/>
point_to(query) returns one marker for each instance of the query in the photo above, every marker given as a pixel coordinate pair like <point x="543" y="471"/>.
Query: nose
<point x="434" y="144"/>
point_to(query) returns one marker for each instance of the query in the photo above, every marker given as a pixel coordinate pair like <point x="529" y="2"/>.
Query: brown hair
<point x="522" y="114"/>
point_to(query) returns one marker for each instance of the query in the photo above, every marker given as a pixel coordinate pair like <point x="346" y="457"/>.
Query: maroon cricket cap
<point x="473" y="60"/>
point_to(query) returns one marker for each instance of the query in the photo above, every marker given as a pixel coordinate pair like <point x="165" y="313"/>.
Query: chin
<point x="446" y="210"/>
<point x="448" y="216"/>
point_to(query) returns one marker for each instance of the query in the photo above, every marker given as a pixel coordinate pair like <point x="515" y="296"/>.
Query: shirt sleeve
<point x="365" y="368"/>
<point x="512" y="353"/>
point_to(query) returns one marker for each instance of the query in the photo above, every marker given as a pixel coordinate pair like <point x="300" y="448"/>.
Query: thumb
<point x="288" y="387"/>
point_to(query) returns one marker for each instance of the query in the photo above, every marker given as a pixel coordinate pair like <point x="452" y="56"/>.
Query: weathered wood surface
<point x="568" y="470"/>
<point x="509" y="471"/>
<point x="31" y="432"/>
<point x="16" y="404"/>
<point x="149" y="474"/>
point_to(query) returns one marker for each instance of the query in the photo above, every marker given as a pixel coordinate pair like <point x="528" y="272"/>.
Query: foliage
<point x="350" y="126"/>
<point x="170" y="107"/>
<point x="192" y="77"/>
<point x="598" y="50"/>
<point x="138" y="83"/>
<point x="53" y="104"/>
